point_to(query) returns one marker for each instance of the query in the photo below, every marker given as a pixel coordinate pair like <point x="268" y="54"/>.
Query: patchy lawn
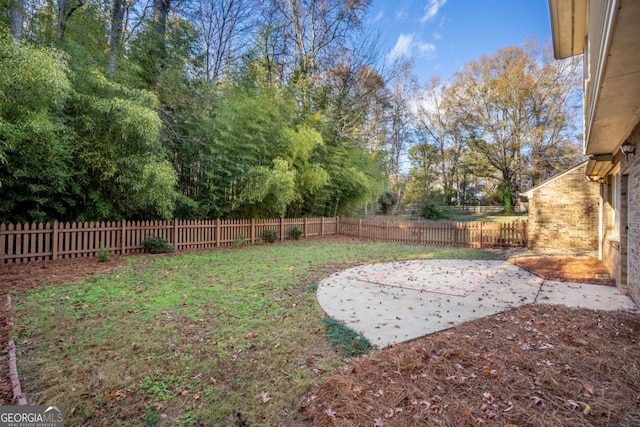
<point x="224" y="337"/>
<point x="236" y="337"/>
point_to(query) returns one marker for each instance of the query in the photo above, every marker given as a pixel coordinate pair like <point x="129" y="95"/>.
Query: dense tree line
<point x="502" y="124"/>
<point x="245" y="108"/>
<point x="196" y="109"/>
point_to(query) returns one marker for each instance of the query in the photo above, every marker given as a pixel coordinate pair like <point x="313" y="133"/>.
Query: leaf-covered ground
<point x="531" y="366"/>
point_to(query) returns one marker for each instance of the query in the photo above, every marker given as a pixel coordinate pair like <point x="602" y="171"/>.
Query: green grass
<point x="191" y="339"/>
<point x="345" y="339"/>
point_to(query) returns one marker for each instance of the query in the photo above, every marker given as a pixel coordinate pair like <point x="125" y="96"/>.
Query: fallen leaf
<point x="378" y="423"/>
<point x="265" y="397"/>
<point x="537" y="400"/>
<point x="586" y="409"/>
<point x="117" y="395"/>
<point x="572" y="404"/>
<point x="331" y="413"/>
<point x="590" y="389"/>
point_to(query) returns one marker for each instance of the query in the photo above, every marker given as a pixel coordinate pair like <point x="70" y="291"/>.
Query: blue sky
<point x="442" y="35"/>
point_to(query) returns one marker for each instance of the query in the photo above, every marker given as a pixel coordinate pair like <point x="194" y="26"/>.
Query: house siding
<point x="564" y="213"/>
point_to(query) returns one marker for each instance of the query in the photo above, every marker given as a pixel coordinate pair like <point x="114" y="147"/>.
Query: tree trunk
<point x="506" y="195"/>
<point x="64" y="13"/>
<point x="160" y="13"/>
<point x="115" y="35"/>
<point x="62" y="17"/>
<point x="17" y="19"/>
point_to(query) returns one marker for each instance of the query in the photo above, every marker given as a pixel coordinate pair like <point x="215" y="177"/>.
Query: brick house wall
<point x="621" y="250"/>
<point x="563" y="212"/>
<point x="610" y="243"/>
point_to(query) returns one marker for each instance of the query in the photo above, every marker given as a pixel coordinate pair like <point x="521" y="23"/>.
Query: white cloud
<point x="427" y="49"/>
<point x="431" y="9"/>
<point x="379" y="16"/>
<point x="437" y="36"/>
<point x="402" y="47"/>
<point x="407" y="44"/>
<point x="402" y="14"/>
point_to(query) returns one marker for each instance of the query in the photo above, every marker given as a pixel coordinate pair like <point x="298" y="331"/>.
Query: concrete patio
<point x="399" y="301"/>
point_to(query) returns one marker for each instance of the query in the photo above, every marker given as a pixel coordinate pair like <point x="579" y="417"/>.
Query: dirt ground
<point x="566" y="269"/>
<point x="535" y="365"/>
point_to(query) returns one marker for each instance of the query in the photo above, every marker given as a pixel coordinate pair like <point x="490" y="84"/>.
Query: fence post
<point x="123" y="237"/>
<point x="253" y="231"/>
<point x="386" y="231"/>
<point x="281" y="229"/>
<point x="455" y="233"/>
<point x="322" y="226"/>
<point x="54" y="241"/>
<point x="2" y="244"/>
<point x="359" y="228"/>
<point x="217" y="232"/>
<point x="480" y="232"/>
<point x="337" y="226"/>
<point x="175" y="234"/>
<point x="304" y="228"/>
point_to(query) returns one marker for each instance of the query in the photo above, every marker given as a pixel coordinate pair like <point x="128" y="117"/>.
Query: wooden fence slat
<point x="35" y="242"/>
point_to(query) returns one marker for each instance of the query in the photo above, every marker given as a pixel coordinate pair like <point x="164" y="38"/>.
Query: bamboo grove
<point x="196" y="109"/>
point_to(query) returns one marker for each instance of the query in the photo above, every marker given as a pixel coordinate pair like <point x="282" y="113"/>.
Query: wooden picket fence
<point x="51" y="241"/>
<point x="441" y="233"/>
<point x="21" y="243"/>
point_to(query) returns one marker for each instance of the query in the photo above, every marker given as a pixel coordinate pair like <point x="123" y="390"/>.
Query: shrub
<point x="345" y="339"/>
<point x="270" y="236"/>
<point x="239" y="241"/>
<point x="103" y="254"/>
<point x="296" y="233"/>
<point x="156" y="245"/>
<point x="430" y="212"/>
<point x="387" y="202"/>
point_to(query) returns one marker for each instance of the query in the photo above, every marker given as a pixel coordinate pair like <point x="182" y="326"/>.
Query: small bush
<point x="387" y="202"/>
<point x="103" y="254"/>
<point x="270" y="236"/>
<point x="430" y="212"/>
<point x="345" y="339"/>
<point x="239" y="241"/>
<point x="156" y="245"/>
<point x="296" y="233"/>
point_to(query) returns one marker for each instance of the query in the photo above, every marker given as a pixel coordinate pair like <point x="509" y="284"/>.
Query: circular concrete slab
<point x="394" y="302"/>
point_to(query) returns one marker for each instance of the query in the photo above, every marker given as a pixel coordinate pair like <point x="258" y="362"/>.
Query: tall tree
<point x="225" y="27"/>
<point x="403" y="90"/>
<point x="115" y="34"/>
<point x="17" y="18"/>
<point x="438" y="126"/>
<point x="314" y="28"/>
<point x="507" y="102"/>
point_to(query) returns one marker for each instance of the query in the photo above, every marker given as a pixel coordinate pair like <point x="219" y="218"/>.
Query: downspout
<point x="600" y="222"/>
